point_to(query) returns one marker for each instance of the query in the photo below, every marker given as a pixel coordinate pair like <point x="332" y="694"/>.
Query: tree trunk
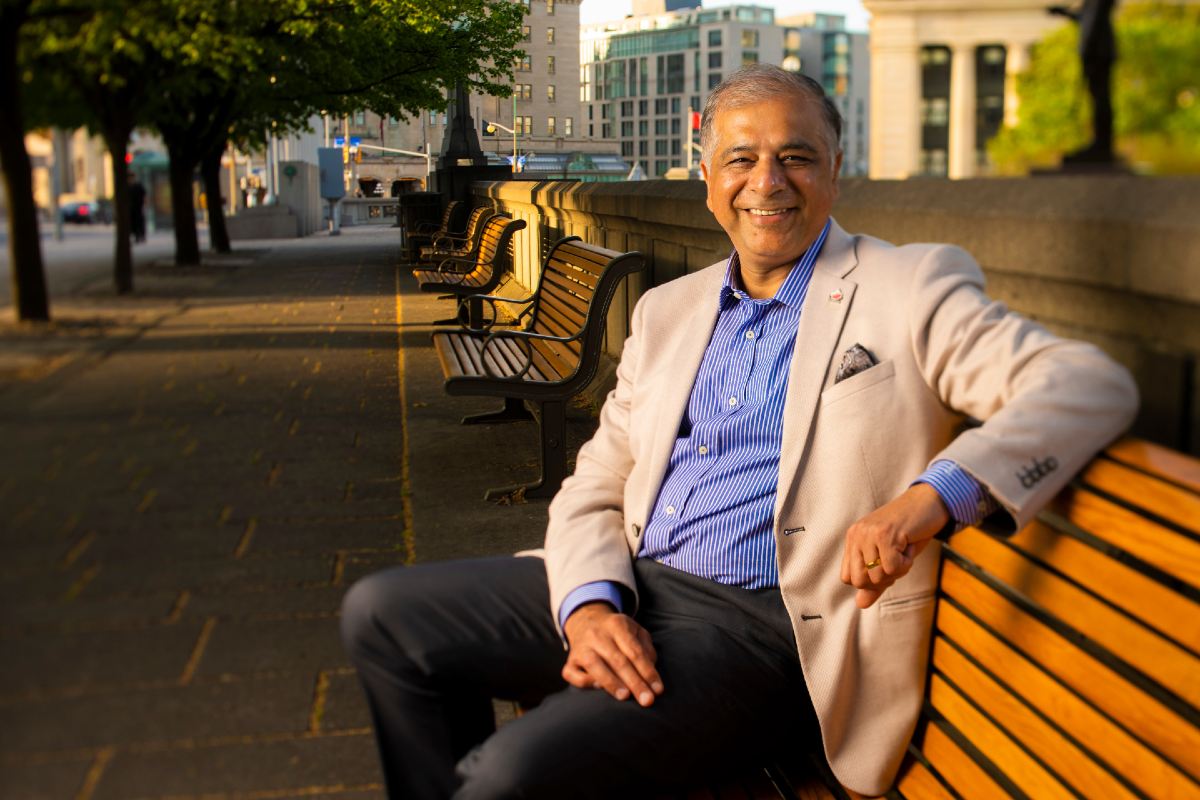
<point x="118" y="146"/>
<point x="183" y="209"/>
<point x="210" y="169"/>
<point x="24" y="239"/>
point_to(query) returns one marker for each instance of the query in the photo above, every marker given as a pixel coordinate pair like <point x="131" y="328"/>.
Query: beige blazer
<point x="945" y="353"/>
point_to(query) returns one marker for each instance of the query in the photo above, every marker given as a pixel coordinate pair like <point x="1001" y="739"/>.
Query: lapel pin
<point x="836" y="295"/>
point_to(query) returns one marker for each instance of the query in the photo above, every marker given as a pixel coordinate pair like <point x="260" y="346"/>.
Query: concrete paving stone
<point x="279" y="601"/>
<point x="60" y="779"/>
<point x="118" y="577"/>
<point x="23" y="617"/>
<point x="360" y="565"/>
<point x="287" y="645"/>
<point x="345" y="705"/>
<point x="327" y="535"/>
<point x="52" y="661"/>
<point x="38" y="585"/>
<point x="148" y="540"/>
<point x="205" y="710"/>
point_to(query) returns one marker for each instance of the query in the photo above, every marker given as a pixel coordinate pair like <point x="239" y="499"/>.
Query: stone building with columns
<point x="943" y="80"/>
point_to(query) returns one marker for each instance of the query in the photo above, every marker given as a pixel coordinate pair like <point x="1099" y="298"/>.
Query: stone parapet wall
<point x="1113" y="260"/>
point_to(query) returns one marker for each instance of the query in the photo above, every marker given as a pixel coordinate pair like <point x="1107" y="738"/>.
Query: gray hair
<point x="754" y="83"/>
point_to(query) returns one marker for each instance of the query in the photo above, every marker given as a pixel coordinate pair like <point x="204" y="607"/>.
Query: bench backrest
<point x="577" y="285"/>
<point x="470" y="237"/>
<point x="496" y="244"/>
<point x="1066" y="658"/>
<point x="448" y="217"/>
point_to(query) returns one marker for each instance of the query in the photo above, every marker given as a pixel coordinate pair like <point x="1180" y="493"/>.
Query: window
<point x="606" y="130"/>
<point x="525" y="64"/>
<point x="393" y="122"/>
<point x="643" y="107"/>
<point x="643" y="149"/>
<point x="714" y="60"/>
<point x="591" y="131"/>
<point x="674" y="105"/>
<point x="551" y="126"/>
<point x="643" y="127"/>
<point x="523" y="91"/>
<point x="550" y="93"/>
<point x="550" y="65"/>
<point x="660" y="147"/>
<point x="714" y="38"/>
<point x="590" y="110"/>
<point x="714" y="78"/>
<point x="626" y="148"/>
<point x="526" y="4"/>
<point x="523" y="126"/>
<point x="627" y="128"/>
<point x="675" y="126"/>
<point x="660" y="127"/>
<point x="549" y="8"/>
<point x="660" y="168"/>
<point x="660" y="105"/>
<point x="606" y="111"/>
<point x="670" y="73"/>
<point x="568" y="126"/>
<point x="676" y="147"/>
<point x="549" y="35"/>
<point x="749" y="57"/>
<point x="526" y="33"/>
<point x="360" y="118"/>
<point x="749" y="38"/>
<point x="627" y="108"/>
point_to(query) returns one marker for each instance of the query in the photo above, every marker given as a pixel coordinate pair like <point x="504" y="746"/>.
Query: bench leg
<point x="553" y="434"/>
<point x="513" y="411"/>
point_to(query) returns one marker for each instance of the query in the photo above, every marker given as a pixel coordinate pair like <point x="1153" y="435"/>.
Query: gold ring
<point x="873" y="564"/>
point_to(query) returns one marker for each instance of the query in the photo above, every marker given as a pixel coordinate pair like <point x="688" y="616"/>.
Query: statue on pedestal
<point x="1097" y="52"/>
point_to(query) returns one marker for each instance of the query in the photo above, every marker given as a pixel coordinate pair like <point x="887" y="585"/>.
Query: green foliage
<point x="1156" y="95"/>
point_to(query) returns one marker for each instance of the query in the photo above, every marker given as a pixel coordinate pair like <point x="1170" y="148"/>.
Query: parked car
<point x="83" y="211"/>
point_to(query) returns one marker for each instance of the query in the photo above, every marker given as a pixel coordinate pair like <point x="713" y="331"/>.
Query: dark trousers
<point x="433" y="644"/>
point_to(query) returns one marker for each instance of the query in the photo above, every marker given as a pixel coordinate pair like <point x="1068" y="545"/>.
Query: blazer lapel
<point x="830" y="295"/>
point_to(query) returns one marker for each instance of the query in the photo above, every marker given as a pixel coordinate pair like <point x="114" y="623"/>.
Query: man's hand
<point x="610" y="651"/>
<point x="890" y="538"/>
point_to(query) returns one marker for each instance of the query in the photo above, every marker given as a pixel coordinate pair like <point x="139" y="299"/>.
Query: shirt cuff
<point x="964" y="496"/>
<point x="605" y="591"/>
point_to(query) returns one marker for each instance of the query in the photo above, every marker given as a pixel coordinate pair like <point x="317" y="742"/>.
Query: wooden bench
<point x="464" y="244"/>
<point x="549" y="361"/>
<point x="423" y="234"/>
<point x="1065" y="659"/>
<point x="465" y="279"/>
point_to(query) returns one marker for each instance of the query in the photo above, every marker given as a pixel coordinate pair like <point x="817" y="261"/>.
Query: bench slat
<point x="1010" y="758"/>
<point x="1071" y="765"/>
<point x="957" y="768"/>
<point x="1173" y="503"/>
<point x="1164" y="661"/>
<point x="1121" y="527"/>
<point x="1162" y="462"/>
<point x="1165" y="610"/>
<point x="1109" y="743"/>
<point x="571" y="270"/>
<point x="916" y="781"/>
<point x="1142" y="714"/>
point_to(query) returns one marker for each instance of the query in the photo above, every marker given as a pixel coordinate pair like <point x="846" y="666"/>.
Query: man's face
<point x="772" y="179"/>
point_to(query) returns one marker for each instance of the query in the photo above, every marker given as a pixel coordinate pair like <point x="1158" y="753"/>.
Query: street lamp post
<point x="426" y="156"/>
<point x="491" y="128"/>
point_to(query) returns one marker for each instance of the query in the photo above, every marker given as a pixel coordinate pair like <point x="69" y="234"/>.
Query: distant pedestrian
<point x="137" y="214"/>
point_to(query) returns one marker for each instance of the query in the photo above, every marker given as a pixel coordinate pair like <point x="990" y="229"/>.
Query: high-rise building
<point x="641" y="75"/>
<point x="944" y="73"/>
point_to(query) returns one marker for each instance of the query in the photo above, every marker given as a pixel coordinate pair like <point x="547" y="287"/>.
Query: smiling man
<point x="739" y="562"/>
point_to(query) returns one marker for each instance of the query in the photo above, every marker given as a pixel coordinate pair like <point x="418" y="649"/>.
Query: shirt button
<point x="733" y="401"/>
<point x="670" y="510"/>
<point x="702" y="450"/>
<point x="749" y="334"/>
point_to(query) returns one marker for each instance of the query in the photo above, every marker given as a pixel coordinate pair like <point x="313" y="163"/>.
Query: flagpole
<point x="687" y="142"/>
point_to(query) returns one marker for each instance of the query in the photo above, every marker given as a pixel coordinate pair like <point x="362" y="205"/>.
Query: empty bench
<point x="1065" y="658"/>
<point x="547" y="362"/>
<point x="466" y="279"/>
<point x="463" y="244"/>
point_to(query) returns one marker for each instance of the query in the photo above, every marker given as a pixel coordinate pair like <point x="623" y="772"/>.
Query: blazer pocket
<point x="856" y="383"/>
<point x="910" y="602"/>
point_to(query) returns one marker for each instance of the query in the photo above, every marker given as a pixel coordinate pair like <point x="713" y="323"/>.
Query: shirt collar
<point x="794" y="287"/>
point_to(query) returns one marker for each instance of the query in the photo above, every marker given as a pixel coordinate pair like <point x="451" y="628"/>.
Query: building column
<point x="1016" y="61"/>
<point x="895" y="96"/>
<point x="961" y="157"/>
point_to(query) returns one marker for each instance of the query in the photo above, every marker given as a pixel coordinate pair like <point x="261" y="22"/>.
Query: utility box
<point x="333" y="184"/>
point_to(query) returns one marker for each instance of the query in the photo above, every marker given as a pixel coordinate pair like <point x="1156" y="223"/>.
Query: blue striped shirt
<point x="714" y="515"/>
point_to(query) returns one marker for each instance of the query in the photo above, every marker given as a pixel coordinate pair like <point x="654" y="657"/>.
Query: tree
<point x="273" y="66"/>
<point x="1156" y="94"/>
<point x="24" y="239"/>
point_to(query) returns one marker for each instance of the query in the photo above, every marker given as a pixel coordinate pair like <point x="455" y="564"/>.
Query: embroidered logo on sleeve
<point x="1038" y="469"/>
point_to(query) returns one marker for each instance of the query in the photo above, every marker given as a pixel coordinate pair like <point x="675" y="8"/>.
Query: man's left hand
<point x="889" y="539"/>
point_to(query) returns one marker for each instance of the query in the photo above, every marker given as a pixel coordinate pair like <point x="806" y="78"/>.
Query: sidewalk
<point x="191" y="479"/>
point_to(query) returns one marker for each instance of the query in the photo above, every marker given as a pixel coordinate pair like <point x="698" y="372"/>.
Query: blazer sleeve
<point x="1046" y="404"/>
<point x="585" y="537"/>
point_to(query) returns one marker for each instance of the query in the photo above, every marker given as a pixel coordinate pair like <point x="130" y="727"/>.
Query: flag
<point x="695" y="120"/>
